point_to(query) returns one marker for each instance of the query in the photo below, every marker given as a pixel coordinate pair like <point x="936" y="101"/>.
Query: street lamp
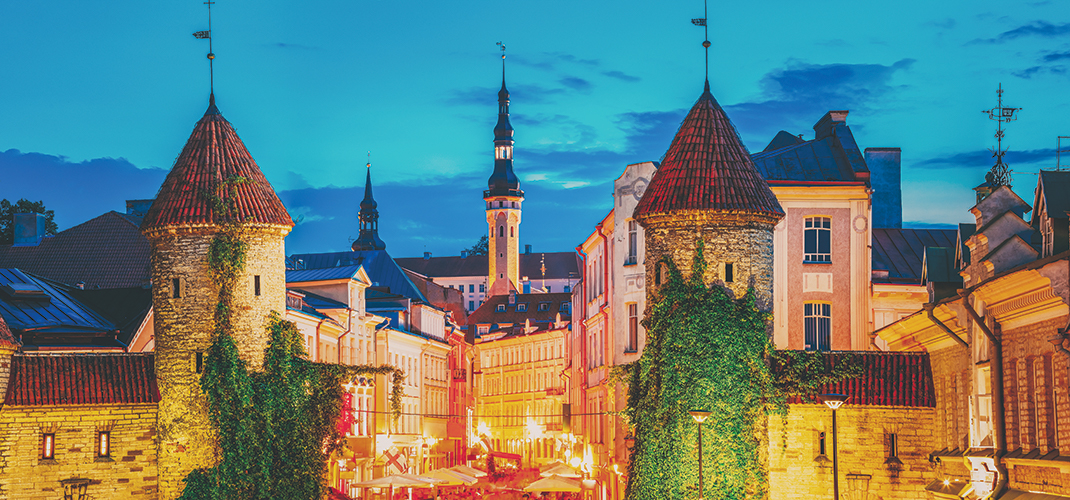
<point x="834" y="401"/>
<point x="700" y="416"/>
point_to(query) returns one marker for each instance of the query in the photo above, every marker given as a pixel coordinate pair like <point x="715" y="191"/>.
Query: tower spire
<point x="503" y="199"/>
<point x="368" y="239"/>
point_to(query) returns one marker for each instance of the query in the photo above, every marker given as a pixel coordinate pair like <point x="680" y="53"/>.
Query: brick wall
<point x="129" y="472"/>
<point x="1035" y="388"/>
<point x="742" y="241"/>
<point x="952" y="382"/>
<point x="798" y="471"/>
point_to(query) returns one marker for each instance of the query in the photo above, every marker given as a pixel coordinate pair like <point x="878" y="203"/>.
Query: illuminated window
<point x="818" y="325"/>
<point x="818" y="240"/>
<point x="104" y="444"/>
<point x="48" y="446"/>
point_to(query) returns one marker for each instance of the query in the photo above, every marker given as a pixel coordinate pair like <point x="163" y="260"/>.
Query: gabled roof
<point x="82" y="379"/>
<point x="444" y="298"/>
<point x="707" y="168"/>
<point x="832" y="156"/>
<point x="900" y="251"/>
<point x="212" y="157"/>
<point x="1053" y="191"/>
<point x="6" y="338"/>
<point x="325" y="274"/>
<point x="488" y="312"/>
<point x="559" y="265"/>
<point x="46" y="310"/>
<point x="381" y="269"/>
<point x="888" y="379"/>
<point x="104" y="252"/>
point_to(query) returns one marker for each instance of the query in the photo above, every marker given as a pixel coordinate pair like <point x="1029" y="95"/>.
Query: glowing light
<point x="574" y="462"/>
<point x="947" y="482"/>
<point x="105" y="444"/>
<point x="483" y="429"/>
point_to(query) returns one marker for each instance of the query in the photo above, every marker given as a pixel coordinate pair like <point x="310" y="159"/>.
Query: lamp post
<point x="700" y="416"/>
<point x="834" y="401"/>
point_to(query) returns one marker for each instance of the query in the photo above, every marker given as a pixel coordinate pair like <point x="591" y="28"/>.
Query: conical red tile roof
<point x="213" y="155"/>
<point x="707" y="168"/>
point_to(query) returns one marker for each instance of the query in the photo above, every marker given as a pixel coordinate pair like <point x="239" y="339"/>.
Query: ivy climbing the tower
<point x="276" y="428"/>
<point x="708" y="351"/>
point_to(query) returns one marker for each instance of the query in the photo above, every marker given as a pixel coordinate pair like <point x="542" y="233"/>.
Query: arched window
<point x="501" y="231"/>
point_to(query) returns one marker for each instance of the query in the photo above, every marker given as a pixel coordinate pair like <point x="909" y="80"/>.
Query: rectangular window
<point x="818" y="240"/>
<point x="566" y="307"/>
<point x="633" y="243"/>
<point x="818" y="326"/>
<point x="633" y="327"/>
<point x="482" y="287"/>
<point x="48" y="446"/>
<point x="200" y="361"/>
<point x="176" y="292"/>
<point x="821" y="443"/>
<point x="104" y="444"/>
<point x="483" y="329"/>
<point x="893" y="446"/>
<point x="471" y="305"/>
<point x="729" y="272"/>
<point x="499" y="308"/>
<point x="256" y="285"/>
<point x="471" y="288"/>
<point x="544" y="306"/>
<point x="521" y="308"/>
<point x="568" y="288"/>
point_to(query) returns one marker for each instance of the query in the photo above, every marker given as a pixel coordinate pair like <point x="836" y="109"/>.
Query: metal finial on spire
<point x="502" y="45"/>
<point x="211" y="56"/>
<point x="369" y="165"/>
<point x="706" y="42"/>
<point x="1000" y="173"/>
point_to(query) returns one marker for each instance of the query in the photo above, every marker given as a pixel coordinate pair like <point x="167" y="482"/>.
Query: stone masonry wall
<point x="129" y="472"/>
<point x="747" y="244"/>
<point x="184" y="326"/>
<point x="799" y="471"/>
<point x="1035" y="394"/>
<point x="952" y="382"/>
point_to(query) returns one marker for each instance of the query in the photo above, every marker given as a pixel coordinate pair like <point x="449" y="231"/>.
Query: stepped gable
<point x="707" y="168"/>
<point x="214" y="154"/>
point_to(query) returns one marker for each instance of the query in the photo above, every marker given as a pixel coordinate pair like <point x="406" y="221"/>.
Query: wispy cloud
<point x="983" y="158"/>
<point x="794" y="97"/>
<point x="1056" y="56"/>
<point x="575" y="83"/>
<point x="1042" y="29"/>
<point x="295" y="46"/>
<point x="621" y="76"/>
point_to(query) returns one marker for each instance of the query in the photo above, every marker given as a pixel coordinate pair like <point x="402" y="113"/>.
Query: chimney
<point x="512" y="297"/>
<point x="884" y="178"/>
<point x="427" y="255"/>
<point x="29" y="229"/>
<point x="138" y="208"/>
<point x="527" y="249"/>
<point x="464" y="254"/>
<point x="824" y="127"/>
<point x="527" y="286"/>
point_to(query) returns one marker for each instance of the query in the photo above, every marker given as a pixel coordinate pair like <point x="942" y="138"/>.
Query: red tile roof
<point x="888" y="379"/>
<point x="82" y="379"/>
<point x="6" y="338"/>
<point x="213" y="155"/>
<point x="708" y="168"/>
<point x="104" y="252"/>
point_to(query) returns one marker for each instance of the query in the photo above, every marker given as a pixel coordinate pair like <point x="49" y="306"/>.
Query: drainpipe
<point x="349" y="329"/>
<point x="932" y="317"/>
<point x="582" y="380"/>
<point x="997" y="393"/>
<point x="606" y="327"/>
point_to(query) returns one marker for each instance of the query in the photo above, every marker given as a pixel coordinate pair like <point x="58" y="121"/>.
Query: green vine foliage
<point x="276" y="427"/>
<point x="705" y="351"/>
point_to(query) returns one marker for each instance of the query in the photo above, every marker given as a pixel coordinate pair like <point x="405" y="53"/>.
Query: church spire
<point x="369" y="219"/>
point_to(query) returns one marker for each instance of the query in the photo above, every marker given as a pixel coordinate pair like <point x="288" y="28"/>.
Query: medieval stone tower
<point x="180" y="227"/>
<point x="707" y="188"/>
<point x="503" y="198"/>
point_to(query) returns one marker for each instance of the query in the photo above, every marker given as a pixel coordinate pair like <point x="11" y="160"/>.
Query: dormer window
<point x="499" y="308"/>
<point x="521" y="308"/>
<point x="544" y="306"/>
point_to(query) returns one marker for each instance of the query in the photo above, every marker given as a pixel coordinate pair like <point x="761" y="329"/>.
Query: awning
<point x="1026" y="495"/>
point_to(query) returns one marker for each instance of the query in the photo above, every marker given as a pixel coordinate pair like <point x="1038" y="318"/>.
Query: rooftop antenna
<point x="1059" y="150"/>
<point x="1000" y="173"/>
<point x="211" y="56"/>
<point x="502" y="45"/>
<point x="706" y="42"/>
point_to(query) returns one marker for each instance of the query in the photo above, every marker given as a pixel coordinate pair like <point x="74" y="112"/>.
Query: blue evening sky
<point x="98" y="99"/>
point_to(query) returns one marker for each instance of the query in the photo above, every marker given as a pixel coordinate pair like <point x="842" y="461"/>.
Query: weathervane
<point x="369" y="165"/>
<point x="706" y="42"/>
<point x="1000" y="173"/>
<point x="502" y="45"/>
<point x="208" y="34"/>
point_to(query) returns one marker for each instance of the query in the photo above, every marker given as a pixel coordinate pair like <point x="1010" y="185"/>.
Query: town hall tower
<point x="503" y="198"/>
